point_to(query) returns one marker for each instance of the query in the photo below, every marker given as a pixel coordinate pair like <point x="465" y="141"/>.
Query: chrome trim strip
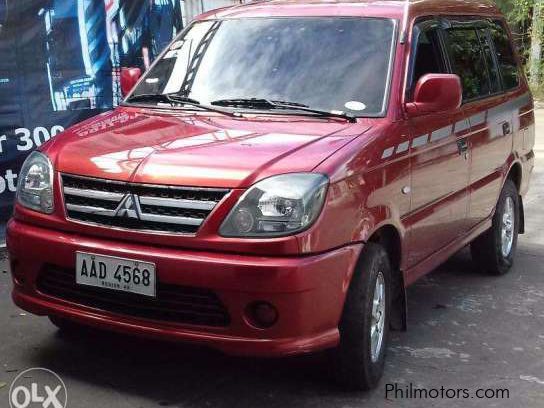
<point x="388" y="153"/>
<point x="94" y="194"/>
<point x="420" y="141"/>
<point x="442" y="133"/>
<point x="175" y="203"/>
<point x="157" y="186"/>
<point x="478" y="119"/>
<point x="172" y="220"/>
<point x="133" y="230"/>
<point x="91" y="210"/>
<point x="403" y="147"/>
<point x="462" y="125"/>
<point x="105" y="181"/>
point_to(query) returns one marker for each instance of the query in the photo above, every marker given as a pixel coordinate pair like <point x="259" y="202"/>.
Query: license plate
<point x="120" y="274"/>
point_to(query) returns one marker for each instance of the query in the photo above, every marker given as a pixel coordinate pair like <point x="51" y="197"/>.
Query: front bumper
<point x="308" y="292"/>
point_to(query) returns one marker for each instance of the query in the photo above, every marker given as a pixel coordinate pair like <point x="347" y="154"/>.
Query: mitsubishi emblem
<point x="128" y="207"/>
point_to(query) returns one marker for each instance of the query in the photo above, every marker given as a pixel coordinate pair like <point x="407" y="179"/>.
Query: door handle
<point x="506" y="128"/>
<point x="462" y="144"/>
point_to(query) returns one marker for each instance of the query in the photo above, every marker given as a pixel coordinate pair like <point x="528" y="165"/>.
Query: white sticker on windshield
<point x="152" y="80"/>
<point x="355" y="106"/>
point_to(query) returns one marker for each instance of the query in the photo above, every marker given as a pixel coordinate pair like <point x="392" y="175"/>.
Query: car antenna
<point x="404" y="37"/>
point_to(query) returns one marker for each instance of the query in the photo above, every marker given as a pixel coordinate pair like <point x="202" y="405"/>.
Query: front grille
<point x="142" y="207"/>
<point x="174" y="304"/>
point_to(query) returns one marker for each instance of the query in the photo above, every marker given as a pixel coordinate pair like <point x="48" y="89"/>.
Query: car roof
<point x="355" y="8"/>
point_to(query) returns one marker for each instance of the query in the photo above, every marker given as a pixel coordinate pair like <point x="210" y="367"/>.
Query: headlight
<point x="35" y="186"/>
<point x="278" y="206"/>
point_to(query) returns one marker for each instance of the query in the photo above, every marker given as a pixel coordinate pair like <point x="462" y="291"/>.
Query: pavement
<point x="466" y="331"/>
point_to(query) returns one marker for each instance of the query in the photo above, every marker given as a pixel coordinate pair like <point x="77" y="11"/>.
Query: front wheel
<point x="495" y="250"/>
<point x="358" y="362"/>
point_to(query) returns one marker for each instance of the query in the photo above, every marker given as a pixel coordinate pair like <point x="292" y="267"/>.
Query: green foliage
<point x="518" y="12"/>
<point x="538" y="92"/>
<point x="520" y="15"/>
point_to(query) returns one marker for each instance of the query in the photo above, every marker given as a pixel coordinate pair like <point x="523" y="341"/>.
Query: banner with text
<point x="60" y="62"/>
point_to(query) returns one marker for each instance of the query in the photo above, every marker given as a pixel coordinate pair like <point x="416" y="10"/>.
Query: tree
<point x="535" y="63"/>
<point x="526" y="18"/>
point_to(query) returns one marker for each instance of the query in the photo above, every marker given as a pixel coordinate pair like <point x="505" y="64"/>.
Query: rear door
<point x="492" y="122"/>
<point x="471" y="57"/>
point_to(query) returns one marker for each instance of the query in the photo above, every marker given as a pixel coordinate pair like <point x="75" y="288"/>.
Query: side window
<point x="468" y="61"/>
<point x="428" y="58"/>
<point x="505" y="56"/>
<point x="492" y="69"/>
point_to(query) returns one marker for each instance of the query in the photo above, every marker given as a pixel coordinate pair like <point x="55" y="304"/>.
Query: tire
<point x="488" y="251"/>
<point x="354" y="366"/>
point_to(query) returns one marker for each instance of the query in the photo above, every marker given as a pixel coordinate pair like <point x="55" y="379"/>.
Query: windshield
<point x="330" y="64"/>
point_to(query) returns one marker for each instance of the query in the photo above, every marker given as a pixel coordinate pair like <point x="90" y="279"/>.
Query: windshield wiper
<point x="176" y="99"/>
<point x="266" y="104"/>
<point x="152" y="98"/>
<point x="256" y="102"/>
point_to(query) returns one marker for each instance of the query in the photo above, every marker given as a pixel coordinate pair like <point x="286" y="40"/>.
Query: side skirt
<point x="438" y="258"/>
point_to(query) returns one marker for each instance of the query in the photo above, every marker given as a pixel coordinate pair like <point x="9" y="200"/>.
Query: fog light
<point x="262" y="315"/>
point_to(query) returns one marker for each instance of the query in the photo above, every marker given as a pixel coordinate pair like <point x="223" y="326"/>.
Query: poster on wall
<point x="60" y="62"/>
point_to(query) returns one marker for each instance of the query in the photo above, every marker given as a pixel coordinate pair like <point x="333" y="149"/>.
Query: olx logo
<point x="38" y="388"/>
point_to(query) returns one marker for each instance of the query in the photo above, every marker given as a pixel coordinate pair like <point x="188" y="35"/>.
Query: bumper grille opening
<point x="174" y="304"/>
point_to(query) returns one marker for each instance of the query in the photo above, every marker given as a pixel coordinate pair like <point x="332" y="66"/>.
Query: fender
<point x="518" y="177"/>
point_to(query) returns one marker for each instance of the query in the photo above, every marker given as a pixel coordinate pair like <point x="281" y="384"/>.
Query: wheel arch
<point x="390" y="239"/>
<point x="516" y="175"/>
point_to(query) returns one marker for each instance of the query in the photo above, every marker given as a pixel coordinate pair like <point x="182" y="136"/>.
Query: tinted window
<point x="324" y="63"/>
<point x="505" y="56"/>
<point x="492" y="69"/>
<point x="467" y="60"/>
<point x="428" y="57"/>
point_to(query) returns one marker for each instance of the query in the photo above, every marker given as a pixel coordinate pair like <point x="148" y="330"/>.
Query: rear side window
<point x="468" y="61"/>
<point x="505" y="56"/>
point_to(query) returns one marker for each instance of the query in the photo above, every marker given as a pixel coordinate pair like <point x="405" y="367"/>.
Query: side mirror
<point x="436" y="93"/>
<point x="129" y="78"/>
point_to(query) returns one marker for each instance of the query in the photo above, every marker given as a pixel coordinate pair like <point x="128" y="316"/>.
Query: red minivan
<point x="279" y="176"/>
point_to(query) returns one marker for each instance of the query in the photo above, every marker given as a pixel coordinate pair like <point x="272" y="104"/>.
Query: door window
<point x="428" y="56"/>
<point x="505" y="56"/>
<point x="468" y="61"/>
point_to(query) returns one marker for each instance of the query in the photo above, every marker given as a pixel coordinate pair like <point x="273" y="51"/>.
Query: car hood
<point x="193" y="150"/>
